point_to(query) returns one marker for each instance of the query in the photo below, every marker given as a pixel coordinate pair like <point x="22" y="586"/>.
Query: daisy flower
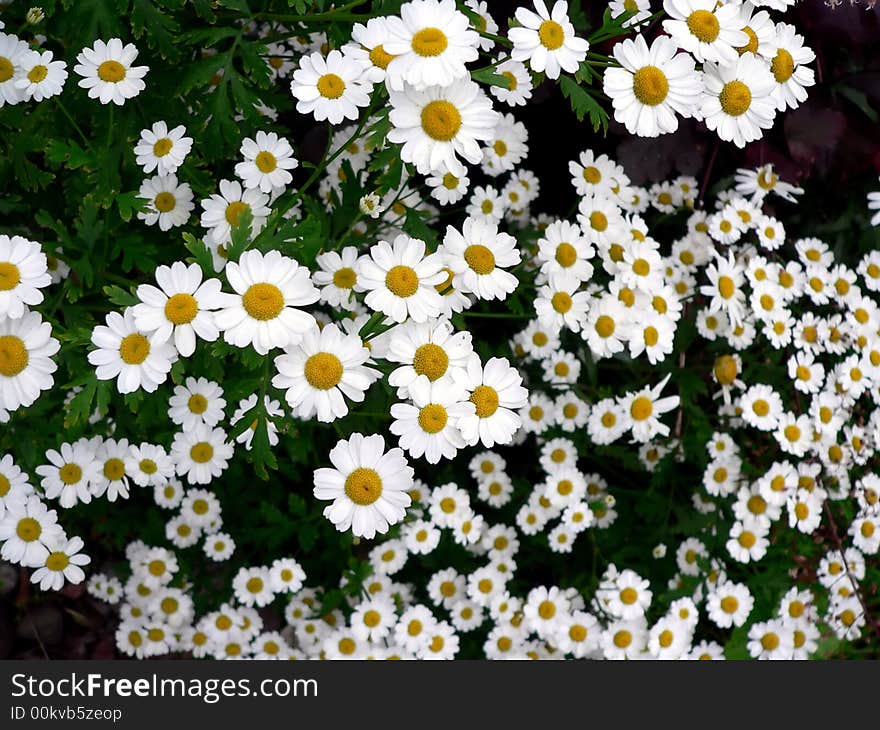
<point x="324" y="369"/>
<point x="486" y="204"/>
<point x="739" y="100"/>
<point x="560" y="303"/>
<point x="641" y="10"/>
<point x="478" y="256"/>
<point x="41" y="77"/>
<point x="401" y="280"/>
<point x="107" y="72"/>
<point x="367" y="485"/>
<point x="26" y="365"/>
<point x="644" y="408"/>
<point x="725" y="289"/>
<point x="13" y="52"/>
<point x="149" y="465"/>
<point x="221" y="211"/>
<point x="70" y="474"/>
<point x="433" y="350"/>
<point x="448" y="189"/>
<point x="429" y="426"/>
<point x="547" y="40"/>
<point x="124" y="353"/>
<point x="564" y="248"/>
<point x="441" y="123"/>
<point x="169" y="203"/>
<point x="709" y="31"/>
<point x="112" y="478"/>
<point x="263" y="311"/>
<point x="181" y="306"/>
<point x="64" y="563"/>
<point x="368" y="48"/>
<point x="162" y="150"/>
<point x="788" y="69"/>
<point x="26" y="530"/>
<point x="330" y="88"/>
<point x="606" y="328"/>
<point x="497" y="394"/>
<point x="23" y="272"/>
<point x="337" y="276"/>
<point x="197" y="401"/>
<point x="430" y="43"/>
<point x="201" y="453"/>
<point x="652" y="86"/>
<point x="267" y="161"/>
<point x="519" y="83"/>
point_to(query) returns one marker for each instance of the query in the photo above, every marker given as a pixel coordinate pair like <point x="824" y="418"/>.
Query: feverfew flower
<point x="162" y="150"/>
<point x="547" y="40"/>
<point x="107" y="71"/>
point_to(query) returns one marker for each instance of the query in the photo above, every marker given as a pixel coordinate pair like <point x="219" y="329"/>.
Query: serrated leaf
<point x="119" y="296"/>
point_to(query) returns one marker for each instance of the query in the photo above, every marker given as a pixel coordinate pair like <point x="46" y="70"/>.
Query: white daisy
<point x="107" y="71"/>
<point x="26" y="530"/>
<point x="268" y="159"/>
<point x="497" y="394"/>
<point x="337" y="276"/>
<point x="644" y="407"/>
<point x="13" y="52"/>
<point x="169" y="203"/>
<point x="478" y="256"/>
<point x="368" y="486"/>
<point x="23" y="272"/>
<point x="148" y="465"/>
<point x="324" y="369"/>
<point x="64" y="563"/>
<point x="711" y="32"/>
<point x="41" y="77"/>
<point x="162" y="150"/>
<point x="201" y="453"/>
<point x="433" y="350"/>
<point x="788" y="68"/>
<point x="547" y="40"/>
<point x="330" y="88"/>
<point x="197" y="401"/>
<point x="519" y="83"/>
<point x="26" y="365"/>
<point x="124" y="353"/>
<point x="112" y="478"/>
<point x="263" y="311"/>
<point x="221" y="211"/>
<point x="70" y="473"/>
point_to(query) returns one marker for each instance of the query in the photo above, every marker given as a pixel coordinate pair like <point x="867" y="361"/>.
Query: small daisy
<point x="400" y="280"/>
<point x="324" y="369"/>
<point x="497" y="394"/>
<point x="478" y="256"/>
<point x="448" y="189"/>
<point x="201" y="453"/>
<point x="197" y="401"/>
<point x="169" y="203"/>
<point x="711" y="32"/>
<point x="222" y="211"/>
<point x="26" y="365"/>
<point x="41" y="77"/>
<point x="433" y="350"/>
<point x="519" y="83"/>
<point x="148" y="465"/>
<point x="560" y="303"/>
<point x="26" y="530"/>
<point x="441" y="123"/>
<point x="431" y="42"/>
<point x="162" y="150"/>
<point x="252" y="587"/>
<point x="182" y="306"/>
<point x="653" y="85"/>
<point x="267" y="161"/>
<point x="219" y="546"/>
<point x="331" y="88"/>
<point x="64" y="563"/>
<point x="263" y="311"/>
<point x="368" y="48"/>
<point x="644" y="407"/>
<point x="788" y="69"/>
<point x="112" y="478"/>
<point x="129" y="356"/>
<point x="70" y="473"/>
<point x="107" y="71"/>
<point x="367" y="485"/>
<point x="429" y="426"/>
<point x="547" y="40"/>
<point x="337" y="276"/>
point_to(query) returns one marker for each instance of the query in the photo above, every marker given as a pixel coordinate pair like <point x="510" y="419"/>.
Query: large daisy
<point x="711" y="32"/>
<point x="13" y="52"/>
<point x="430" y="43"/>
<point x="263" y="311"/>
<point x="323" y="370"/>
<point x="331" y="88"/>
<point x="652" y="86"/>
<point x="107" y="72"/>
<point x="70" y="473"/>
<point x="441" y="123"/>
<point x="431" y="349"/>
<point x="478" y="257"/>
<point x="367" y="485"/>
<point x="26" y="365"/>
<point x="497" y="393"/>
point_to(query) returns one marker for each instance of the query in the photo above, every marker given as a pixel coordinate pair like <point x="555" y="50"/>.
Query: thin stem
<point x="72" y="121"/>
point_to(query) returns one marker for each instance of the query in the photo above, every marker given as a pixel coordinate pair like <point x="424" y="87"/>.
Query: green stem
<point x="500" y="39"/>
<point x="72" y="121"/>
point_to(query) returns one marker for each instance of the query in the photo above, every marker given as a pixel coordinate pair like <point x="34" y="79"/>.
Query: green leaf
<point x="583" y="104"/>
<point x="200" y="252"/>
<point x="119" y="296"/>
<point x="488" y="76"/>
<point x="241" y="235"/>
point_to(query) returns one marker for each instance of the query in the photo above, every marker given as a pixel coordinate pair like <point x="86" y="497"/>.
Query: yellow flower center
<point x="148" y="466"/>
<point x="641" y="408"/>
<point x="28" y="529"/>
<point x="622" y="639"/>
<point x="782" y="66"/>
<point x="429" y="42"/>
<point x="485" y="399"/>
<point x="344" y="278"/>
<point x="431" y="360"/>
<point x="769" y="641"/>
<point x="10" y="276"/>
<point x="111" y="71"/>
<point x="726" y="287"/>
<point x="605" y="326"/>
<point x="650" y="85"/>
<point x="735" y="98"/>
<point x="547" y="610"/>
<point x="512" y="83"/>
<point x="704" y="25"/>
<point x="651" y="336"/>
<point x="57" y="561"/>
<point x="37" y="74"/>
<point x="234" y="211"/>
<point x="134" y="349"/>
<point x="7" y="70"/>
<point x="165" y="202"/>
<point x="162" y="147"/>
<point x="566" y="255"/>
<point x="402" y="281"/>
<point x="331" y="86"/>
<point x="181" y="309"/>
<point x="752" y="45"/>
<point x="551" y="35"/>
<point x="363" y="486"/>
<point x="480" y="259"/>
<point x="500" y="147"/>
<point x="13" y="356"/>
<point x="440" y="120"/>
<point x="114" y="469"/>
<point x="263" y="301"/>
<point x="761" y="408"/>
<point x="380" y="57"/>
<point x="561" y="302"/>
<point x="450" y="181"/>
<point x="598" y="221"/>
<point x="202" y="452"/>
<point x="323" y="370"/>
<point x="197" y="403"/>
<point x="265" y="162"/>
